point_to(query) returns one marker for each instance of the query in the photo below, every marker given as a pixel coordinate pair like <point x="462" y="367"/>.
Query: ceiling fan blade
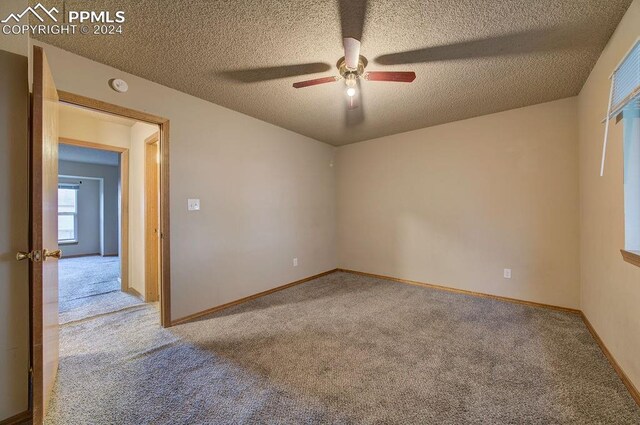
<point x="516" y="43"/>
<point x="351" y="52"/>
<point x="254" y="75"/>
<point x="352" y="15"/>
<point x="398" y="77"/>
<point x="301" y="84"/>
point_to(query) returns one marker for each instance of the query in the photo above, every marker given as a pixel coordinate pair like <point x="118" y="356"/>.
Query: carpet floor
<point x="90" y="286"/>
<point x="340" y="349"/>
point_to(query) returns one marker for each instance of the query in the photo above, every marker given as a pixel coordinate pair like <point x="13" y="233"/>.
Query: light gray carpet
<point x="340" y="349"/>
<point x="89" y="286"/>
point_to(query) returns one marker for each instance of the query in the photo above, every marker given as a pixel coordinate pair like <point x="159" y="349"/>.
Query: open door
<point x="44" y="252"/>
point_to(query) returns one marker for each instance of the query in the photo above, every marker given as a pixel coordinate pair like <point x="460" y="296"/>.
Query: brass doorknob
<point x="35" y="256"/>
<point x="53" y="254"/>
<point x="21" y="255"/>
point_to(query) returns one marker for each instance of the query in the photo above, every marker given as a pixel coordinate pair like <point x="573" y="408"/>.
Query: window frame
<point x="625" y="94"/>
<point x="631" y="252"/>
<point x="76" y="189"/>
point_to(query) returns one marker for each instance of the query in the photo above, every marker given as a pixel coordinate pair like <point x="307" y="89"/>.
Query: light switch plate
<point x="193" y="204"/>
<point x="507" y="273"/>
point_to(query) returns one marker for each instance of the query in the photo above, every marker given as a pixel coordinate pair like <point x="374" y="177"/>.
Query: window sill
<point x="67" y="242"/>
<point x="632" y="257"/>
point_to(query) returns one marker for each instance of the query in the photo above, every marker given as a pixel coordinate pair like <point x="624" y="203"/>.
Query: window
<point x="625" y="91"/>
<point x="68" y="213"/>
<point x="631" y="121"/>
<point x="624" y="103"/>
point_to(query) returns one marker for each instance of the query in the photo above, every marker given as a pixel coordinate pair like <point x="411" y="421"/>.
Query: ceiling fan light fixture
<point x="351" y="68"/>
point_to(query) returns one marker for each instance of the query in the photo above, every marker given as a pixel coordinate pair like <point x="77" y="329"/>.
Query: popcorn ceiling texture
<point x="471" y="57"/>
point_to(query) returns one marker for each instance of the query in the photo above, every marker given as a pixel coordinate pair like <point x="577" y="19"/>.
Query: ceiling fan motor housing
<point x="345" y="71"/>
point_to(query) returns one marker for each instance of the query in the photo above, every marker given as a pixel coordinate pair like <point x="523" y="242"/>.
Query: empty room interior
<point x="320" y="212"/>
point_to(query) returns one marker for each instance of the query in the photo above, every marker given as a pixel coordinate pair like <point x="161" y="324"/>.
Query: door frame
<point x="123" y="153"/>
<point x="163" y="144"/>
<point x="151" y="288"/>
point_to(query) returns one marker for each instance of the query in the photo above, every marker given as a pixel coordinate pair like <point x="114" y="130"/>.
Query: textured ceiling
<point x="471" y="57"/>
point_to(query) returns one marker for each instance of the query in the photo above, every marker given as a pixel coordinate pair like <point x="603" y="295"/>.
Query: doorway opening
<point x="108" y="213"/>
<point x="43" y="254"/>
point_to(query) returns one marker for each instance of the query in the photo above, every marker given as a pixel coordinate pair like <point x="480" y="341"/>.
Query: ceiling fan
<point x="351" y="69"/>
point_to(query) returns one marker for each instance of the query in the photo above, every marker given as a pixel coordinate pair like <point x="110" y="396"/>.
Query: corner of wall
<point x="609" y="287"/>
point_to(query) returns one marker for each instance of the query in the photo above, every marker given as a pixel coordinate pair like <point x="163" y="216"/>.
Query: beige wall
<point x="17" y="44"/>
<point x="456" y="204"/>
<point x="267" y="194"/>
<point x="610" y="288"/>
<point x="78" y="125"/>
<point x="14" y="282"/>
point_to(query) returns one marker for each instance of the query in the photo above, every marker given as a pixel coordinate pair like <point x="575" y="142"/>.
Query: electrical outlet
<point x="295" y="262"/>
<point x="193" y="204"/>
<point x="507" y="273"/>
